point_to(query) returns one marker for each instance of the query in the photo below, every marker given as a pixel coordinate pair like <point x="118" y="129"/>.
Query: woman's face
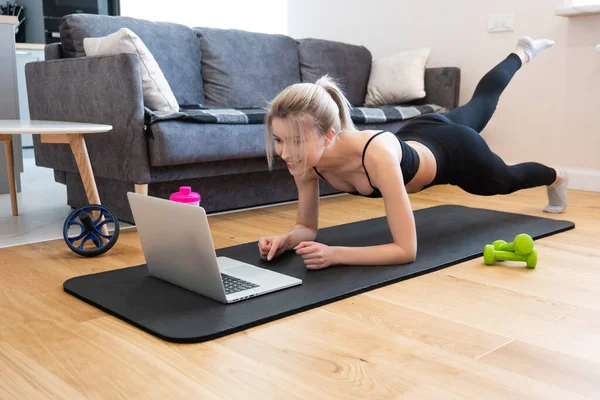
<point x="288" y="147"/>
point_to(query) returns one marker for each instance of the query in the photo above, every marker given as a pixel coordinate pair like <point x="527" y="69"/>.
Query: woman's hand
<point x="271" y="246"/>
<point x="315" y="255"/>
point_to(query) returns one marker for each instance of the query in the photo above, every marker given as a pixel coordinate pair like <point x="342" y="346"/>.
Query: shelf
<point x="30" y="46"/>
<point x="578" y="11"/>
<point x="8" y="19"/>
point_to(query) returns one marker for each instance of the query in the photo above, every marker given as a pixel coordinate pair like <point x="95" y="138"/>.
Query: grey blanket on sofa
<point x="364" y="115"/>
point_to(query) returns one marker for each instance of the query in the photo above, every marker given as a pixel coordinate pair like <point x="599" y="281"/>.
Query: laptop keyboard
<point x="234" y="285"/>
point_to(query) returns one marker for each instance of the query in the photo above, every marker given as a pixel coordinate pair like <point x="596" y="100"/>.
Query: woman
<point x="311" y="130"/>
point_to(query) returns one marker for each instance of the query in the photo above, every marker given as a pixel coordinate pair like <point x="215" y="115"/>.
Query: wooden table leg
<point x="10" y="165"/>
<point x="142" y="189"/>
<point x="79" y="149"/>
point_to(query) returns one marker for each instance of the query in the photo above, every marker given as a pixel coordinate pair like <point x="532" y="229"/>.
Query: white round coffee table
<point x="70" y="133"/>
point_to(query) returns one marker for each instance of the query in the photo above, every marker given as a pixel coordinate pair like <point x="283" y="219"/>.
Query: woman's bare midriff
<point x="427" y="168"/>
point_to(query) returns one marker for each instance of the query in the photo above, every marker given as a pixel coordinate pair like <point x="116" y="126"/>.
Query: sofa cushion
<point x="178" y="142"/>
<point x="349" y="64"/>
<point x="398" y="78"/>
<point x="157" y="92"/>
<point x="246" y="69"/>
<point x="175" y="47"/>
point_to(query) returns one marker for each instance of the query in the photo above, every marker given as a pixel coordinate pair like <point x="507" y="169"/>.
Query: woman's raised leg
<point x="478" y="111"/>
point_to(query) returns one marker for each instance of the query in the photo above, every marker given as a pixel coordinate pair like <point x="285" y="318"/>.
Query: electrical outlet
<point x="500" y="22"/>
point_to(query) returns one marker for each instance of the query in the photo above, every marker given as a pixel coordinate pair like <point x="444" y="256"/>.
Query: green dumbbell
<point x="490" y="254"/>
<point x="523" y="244"/>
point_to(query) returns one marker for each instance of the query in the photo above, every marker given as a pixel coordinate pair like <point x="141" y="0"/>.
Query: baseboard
<point x="584" y="179"/>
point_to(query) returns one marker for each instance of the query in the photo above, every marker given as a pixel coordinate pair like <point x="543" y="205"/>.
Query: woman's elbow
<point x="413" y="256"/>
<point x="410" y="256"/>
<point x="407" y="254"/>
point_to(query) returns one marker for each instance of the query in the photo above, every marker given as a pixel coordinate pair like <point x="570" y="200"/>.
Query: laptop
<point x="178" y="248"/>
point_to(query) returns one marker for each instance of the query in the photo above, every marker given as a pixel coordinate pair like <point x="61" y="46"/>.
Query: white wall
<point x="267" y="16"/>
<point x="549" y="113"/>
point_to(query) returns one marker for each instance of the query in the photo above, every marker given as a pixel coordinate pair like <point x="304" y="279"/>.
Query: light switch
<point x="500" y="22"/>
<point x="508" y="22"/>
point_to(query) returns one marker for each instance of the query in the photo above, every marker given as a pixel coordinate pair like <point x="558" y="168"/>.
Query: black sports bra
<point x="409" y="164"/>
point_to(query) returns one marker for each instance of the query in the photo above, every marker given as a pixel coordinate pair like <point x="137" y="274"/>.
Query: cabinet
<point x="25" y="56"/>
<point x="9" y="105"/>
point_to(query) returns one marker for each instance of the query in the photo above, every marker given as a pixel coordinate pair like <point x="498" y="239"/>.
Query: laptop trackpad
<point x="234" y="267"/>
<point x="246" y="271"/>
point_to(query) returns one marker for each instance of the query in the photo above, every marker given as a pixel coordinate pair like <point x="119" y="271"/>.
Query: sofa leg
<point x="142" y="189"/>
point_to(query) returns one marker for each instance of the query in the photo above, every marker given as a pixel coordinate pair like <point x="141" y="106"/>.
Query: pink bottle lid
<point x="185" y="195"/>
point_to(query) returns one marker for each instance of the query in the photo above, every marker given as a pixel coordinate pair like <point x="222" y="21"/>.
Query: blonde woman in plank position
<point x="310" y="128"/>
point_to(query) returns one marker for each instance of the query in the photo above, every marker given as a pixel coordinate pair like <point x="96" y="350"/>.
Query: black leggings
<point x="463" y="157"/>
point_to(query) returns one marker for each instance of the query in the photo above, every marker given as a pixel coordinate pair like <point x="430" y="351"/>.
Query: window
<point x="266" y="16"/>
<point x="574" y="8"/>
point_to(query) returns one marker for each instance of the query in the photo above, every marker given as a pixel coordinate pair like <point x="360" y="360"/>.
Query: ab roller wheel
<point x="91" y="230"/>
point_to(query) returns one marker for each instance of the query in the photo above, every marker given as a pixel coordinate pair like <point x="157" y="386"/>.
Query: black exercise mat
<point x="447" y="235"/>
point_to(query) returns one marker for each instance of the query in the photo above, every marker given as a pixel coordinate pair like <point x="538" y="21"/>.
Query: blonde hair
<point x="319" y="106"/>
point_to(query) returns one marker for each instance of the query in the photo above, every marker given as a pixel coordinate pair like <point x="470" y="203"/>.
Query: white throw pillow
<point x="158" y="95"/>
<point x="398" y="78"/>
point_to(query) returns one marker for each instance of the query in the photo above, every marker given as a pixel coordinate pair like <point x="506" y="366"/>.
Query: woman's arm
<point x="307" y="220"/>
<point x="385" y="254"/>
<point x="307" y="216"/>
<point x="383" y="165"/>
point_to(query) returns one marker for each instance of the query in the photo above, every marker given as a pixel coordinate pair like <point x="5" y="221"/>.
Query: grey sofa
<point x="225" y="162"/>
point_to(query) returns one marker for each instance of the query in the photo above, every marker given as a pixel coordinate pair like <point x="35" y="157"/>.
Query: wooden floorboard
<point x="467" y="331"/>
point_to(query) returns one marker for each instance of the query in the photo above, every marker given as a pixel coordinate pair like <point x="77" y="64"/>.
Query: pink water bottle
<point x="185" y="195"/>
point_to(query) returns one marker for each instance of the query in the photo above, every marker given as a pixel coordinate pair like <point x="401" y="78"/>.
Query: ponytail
<point x="336" y="93"/>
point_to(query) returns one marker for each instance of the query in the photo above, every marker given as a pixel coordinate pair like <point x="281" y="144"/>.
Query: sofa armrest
<point x="53" y="51"/>
<point x="442" y="86"/>
<point x="102" y="90"/>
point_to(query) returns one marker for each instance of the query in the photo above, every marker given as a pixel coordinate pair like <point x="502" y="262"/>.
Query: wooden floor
<point x="468" y="331"/>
